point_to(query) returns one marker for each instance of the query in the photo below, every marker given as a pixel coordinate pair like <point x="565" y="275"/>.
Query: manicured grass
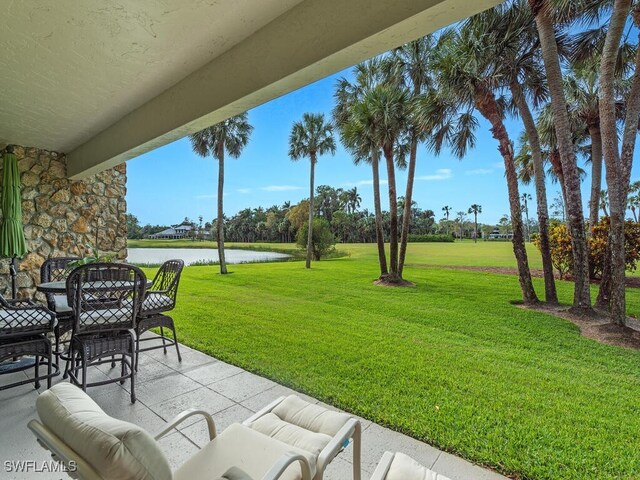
<point x="450" y="361"/>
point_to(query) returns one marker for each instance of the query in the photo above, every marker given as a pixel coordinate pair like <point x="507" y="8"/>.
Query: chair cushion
<point x="310" y="416"/>
<point x="234" y="473"/>
<point x="404" y="467"/>
<point x="240" y="446"/>
<point x="12" y="319"/>
<point x="62" y="306"/>
<point x="155" y="301"/>
<point x="115" y="449"/>
<point x="271" y="425"/>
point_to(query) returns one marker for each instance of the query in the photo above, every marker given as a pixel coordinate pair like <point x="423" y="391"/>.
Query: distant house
<point x="179" y="232"/>
<point x="496" y="235"/>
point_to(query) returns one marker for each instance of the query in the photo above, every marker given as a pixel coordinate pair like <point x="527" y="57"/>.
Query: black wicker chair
<point x="159" y="299"/>
<point x="56" y="270"/>
<point x="24" y="326"/>
<point x="104" y="298"/>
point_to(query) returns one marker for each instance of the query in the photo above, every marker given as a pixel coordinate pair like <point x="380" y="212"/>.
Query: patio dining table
<point x="60" y="287"/>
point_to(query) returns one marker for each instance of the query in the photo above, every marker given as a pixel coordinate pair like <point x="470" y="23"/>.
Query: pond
<point x="199" y="255"/>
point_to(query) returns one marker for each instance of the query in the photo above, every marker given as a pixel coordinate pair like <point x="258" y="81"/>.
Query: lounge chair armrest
<point x="181" y="417"/>
<point x="382" y="469"/>
<point x="284" y="462"/>
<point x="263" y="412"/>
<point x="339" y="441"/>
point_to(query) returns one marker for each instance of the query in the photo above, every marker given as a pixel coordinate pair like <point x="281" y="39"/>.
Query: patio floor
<point x="165" y="387"/>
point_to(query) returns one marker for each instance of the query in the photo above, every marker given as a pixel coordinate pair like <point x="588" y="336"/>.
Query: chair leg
<point x="357" y="447"/>
<point x="113" y="361"/>
<point x="175" y="340"/>
<point x="133" y="383"/>
<point x="37" y="373"/>
<point x="123" y="370"/>
<point x="164" y="344"/>
<point x="137" y="351"/>
<point x="84" y="374"/>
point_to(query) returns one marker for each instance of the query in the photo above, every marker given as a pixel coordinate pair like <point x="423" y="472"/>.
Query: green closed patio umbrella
<point x="12" y="241"/>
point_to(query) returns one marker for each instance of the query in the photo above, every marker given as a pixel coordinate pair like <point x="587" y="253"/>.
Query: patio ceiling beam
<point x="312" y="40"/>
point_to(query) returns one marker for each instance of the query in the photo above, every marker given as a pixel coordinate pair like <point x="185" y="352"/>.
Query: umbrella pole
<point x="12" y="270"/>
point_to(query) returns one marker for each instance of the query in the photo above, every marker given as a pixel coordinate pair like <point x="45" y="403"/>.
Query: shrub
<point x="322" y="240"/>
<point x="562" y="253"/>
<point x="430" y="238"/>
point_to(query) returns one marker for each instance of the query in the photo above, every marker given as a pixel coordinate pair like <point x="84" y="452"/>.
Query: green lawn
<point x="451" y="361"/>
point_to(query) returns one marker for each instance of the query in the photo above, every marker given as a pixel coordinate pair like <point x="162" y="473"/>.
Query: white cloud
<point x="479" y="171"/>
<point x="499" y="165"/>
<point x="280" y="188"/>
<point x="441" y="174"/>
<point x="244" y="190"/>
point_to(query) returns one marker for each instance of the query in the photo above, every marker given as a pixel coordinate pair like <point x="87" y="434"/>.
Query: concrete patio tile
<point x="264" y="398"/>
<point x="198" y="432"/>
<point x="213" y="372"/>
<point x="190" y="358"/>
<point x="242" y="386"/>
<point x="458" y="469"/>
<point x="340" y="469"/>
<point x="118" y="404"/>
<point x="161" y="389"/>
<point x="377" y="439"/>
<point x="177" y="448"/>
<point x="201" y="399"/>
<point x="12" y="394"/>
<point x="148" y="369"/>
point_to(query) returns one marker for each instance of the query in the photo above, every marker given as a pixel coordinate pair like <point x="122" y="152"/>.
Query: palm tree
<point x="634" y="199"/>
<point x="353" y="200"/>
<point x="311" y="137"/>
<point x="357" y="134"/>
<point x="475" y="209"/>
<point x="447" y="209"/>
<point x="541" y="10"/>
<point x="618" y="158"/>
<point x="230" y="136"/>
<point x="465" y="84"/>
<point x="409" y="66"/>
<point x="460" y="218"/>
<point x="604" y="202"/>
<point x="526" y="198"/>
<point x="510" y="32"/>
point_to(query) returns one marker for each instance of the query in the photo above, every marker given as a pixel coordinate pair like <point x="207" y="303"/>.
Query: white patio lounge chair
<point x="93" y="445"/>
<point x="320" y="432"/>
<point x="398" y="466"/>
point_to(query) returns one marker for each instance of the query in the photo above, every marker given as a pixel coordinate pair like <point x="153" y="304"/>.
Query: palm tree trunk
<point x="393" y="215"/>
<point x="406" y="218"/>
<point x="550" y="292"/>
<point x="220" y="225"/>
<point x="382" y="256"/>
<point x="616" y="188"/>
<point x="475" y="228"/>
<point x="310" y="230"/>
<point x="549" y="47"/>
<point x="488" y="107"/>
<point x="596" y="175"/>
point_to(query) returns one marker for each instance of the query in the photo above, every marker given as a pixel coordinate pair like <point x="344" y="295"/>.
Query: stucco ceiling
<point x="70" y="68"/>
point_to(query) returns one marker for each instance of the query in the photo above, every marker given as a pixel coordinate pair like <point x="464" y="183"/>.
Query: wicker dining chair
<point x="24" y="326"/>
<point x="56" y="269"/>
<point x="105" y="299"/>
<point x="159" y="299"/>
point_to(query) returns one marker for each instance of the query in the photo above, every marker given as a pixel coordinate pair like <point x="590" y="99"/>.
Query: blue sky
<point x="171" y="182"/>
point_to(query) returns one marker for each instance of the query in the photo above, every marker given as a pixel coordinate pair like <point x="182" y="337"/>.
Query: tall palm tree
<point x="618" y="158"/>
<point x="311" y="138"/>
<point x="230" y="136"/>
<point x="357" y="134"/>
<point x="353" y="199"/>
<point x="466" y="84"/>
<point x="543" y="15"/>
<point x="634" y="199"/>
<point x="447" y="209"/>
<point x="509" y="31"/>
<point x="475" y="209"/>
<point x="387" y="106"/>
<point x="526" y="198"/>
<point x="409" y="66"/>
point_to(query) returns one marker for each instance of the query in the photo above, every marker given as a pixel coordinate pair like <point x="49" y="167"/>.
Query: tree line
<point x="567" y="70"/>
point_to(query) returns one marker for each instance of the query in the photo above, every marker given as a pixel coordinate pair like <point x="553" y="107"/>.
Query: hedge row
<point x="430" y="238"/>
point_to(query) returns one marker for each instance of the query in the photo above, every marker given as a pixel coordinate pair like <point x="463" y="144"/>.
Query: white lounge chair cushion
<point x="404" y="467"/>
<point x="156" y="300"/>
<point x="116" y="449"/>
<point x="246" y="449"/>
<point x="301" y="424"/>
